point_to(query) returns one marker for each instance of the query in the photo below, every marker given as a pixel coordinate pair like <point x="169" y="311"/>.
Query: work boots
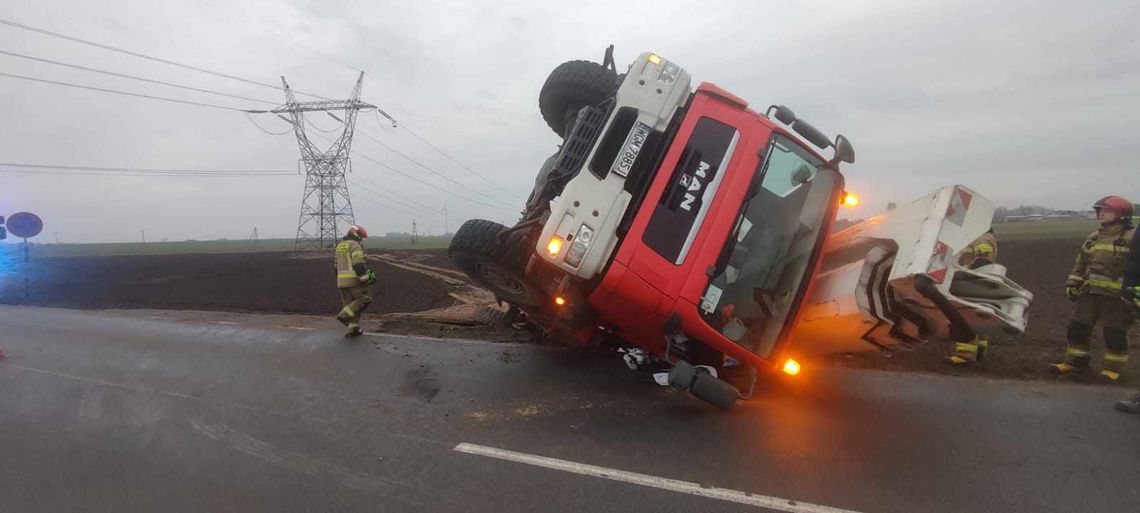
<point x="966" y="353"/>
<point x="1065" y="368"/>
<point x="1077" y="354"/>
<point x="1104" y="376"/>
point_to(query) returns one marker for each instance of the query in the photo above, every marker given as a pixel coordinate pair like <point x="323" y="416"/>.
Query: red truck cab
<point x="727" y="236"/>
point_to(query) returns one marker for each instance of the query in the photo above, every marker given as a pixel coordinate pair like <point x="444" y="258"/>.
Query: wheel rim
<point x="499" y="279"/>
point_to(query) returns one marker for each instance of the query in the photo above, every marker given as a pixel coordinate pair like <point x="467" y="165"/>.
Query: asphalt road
<point x="122" y="412"/>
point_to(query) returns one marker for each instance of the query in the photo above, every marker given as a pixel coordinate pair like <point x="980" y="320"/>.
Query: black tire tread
<point x="573" y="83"/>
<point x="480" y="238"/>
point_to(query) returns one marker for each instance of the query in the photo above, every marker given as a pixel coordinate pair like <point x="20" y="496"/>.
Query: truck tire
<point x="714" y="391"/>
<point x="681" y="376"/>
<point x="477" y="251"/>
<point x="571" y="86"/>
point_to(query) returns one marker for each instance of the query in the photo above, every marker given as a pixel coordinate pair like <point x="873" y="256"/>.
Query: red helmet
<point x="357" y="231"/>
<point x="1121" y="206"/>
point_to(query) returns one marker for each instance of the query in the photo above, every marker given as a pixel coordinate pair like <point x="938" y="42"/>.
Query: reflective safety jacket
<point x="982" y="251"/>
<point x="351" y="268"/>
<point x="1100" y="264"/>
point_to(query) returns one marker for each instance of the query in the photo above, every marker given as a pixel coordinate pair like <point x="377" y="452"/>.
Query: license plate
<point x="633" y="143"/>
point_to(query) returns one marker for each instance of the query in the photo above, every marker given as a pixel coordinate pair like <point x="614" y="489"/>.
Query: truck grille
<point x="581" y="139"/>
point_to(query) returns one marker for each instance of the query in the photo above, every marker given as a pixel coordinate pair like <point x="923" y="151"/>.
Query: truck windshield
<point x="767" y="257"/>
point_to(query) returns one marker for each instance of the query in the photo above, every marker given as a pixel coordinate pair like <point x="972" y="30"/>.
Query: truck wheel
<point x="571" y="86"/>
<point x="477" y="251"/>
<point x="714" y="391"/>
<point x="681" y="375"/>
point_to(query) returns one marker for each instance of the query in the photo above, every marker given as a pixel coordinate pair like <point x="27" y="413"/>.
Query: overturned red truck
<point x="695" y="232"/>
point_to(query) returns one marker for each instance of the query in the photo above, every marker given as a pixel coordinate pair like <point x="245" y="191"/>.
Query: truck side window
<point x="756" y="291"/>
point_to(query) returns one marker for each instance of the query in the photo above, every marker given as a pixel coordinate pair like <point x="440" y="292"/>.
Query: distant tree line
<point x="1004" y="214"/>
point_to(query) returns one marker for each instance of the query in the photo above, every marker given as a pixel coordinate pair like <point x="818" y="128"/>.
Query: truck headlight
<point x="554" y="246"/>
<point x="578" y="248"/>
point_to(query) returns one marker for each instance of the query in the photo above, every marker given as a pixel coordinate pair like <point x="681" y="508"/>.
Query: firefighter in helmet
<point x="352" y="279"/>
<point x="980" y="253"/>
<point x="1096" y="285"/>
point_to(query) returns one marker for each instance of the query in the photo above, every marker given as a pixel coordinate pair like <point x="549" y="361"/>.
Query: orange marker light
<point x="554" y="247"/>
<point x="559" y="300"/>
<point x="791" y="367"/>
<point x="850" y="200"/>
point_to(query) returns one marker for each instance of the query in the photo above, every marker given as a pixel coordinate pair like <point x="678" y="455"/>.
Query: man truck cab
<point x="680" y="223"/>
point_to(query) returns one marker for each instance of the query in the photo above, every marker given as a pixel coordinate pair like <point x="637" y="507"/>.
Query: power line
<point x="379" y="121"/>
<point x="430" y="170"/>
<point x="385" y="205"/>
<point x="124" y="93"/>
<point x="131" y="171"/>
<point x="416" y="179"/>
<point x="317" y="128"/>
<point x="385" y="190"/>
<point x="145" y="56"/>
<point x="148" y="175"/>
<point x="449" y="157"/>
<point x="388" y="194"/>
<point x="380" y="112"/>
<point x="429" y="184"/>
<point x="259" y="127"/>
<point x="132" y="77"/>
<point x="207" y="71"/>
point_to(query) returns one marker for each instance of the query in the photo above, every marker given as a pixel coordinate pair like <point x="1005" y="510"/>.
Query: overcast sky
<point x="1025" y="102"/>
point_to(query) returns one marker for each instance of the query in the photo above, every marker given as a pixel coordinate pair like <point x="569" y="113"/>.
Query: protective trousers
<point x="355" y="300"/>
<point x="1115" y="316"/>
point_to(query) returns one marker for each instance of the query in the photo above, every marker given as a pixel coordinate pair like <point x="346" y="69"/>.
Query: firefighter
<point x="352" y="279"/>
<point x="1131" y="292"/>
<point x="981" y="252"/>
<point x="1096" y="287"/>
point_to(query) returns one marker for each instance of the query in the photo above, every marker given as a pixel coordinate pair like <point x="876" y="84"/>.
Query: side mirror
<point x="844" y="152"/>
<point x="811" y="133"/>
<point x="782" y="114"/>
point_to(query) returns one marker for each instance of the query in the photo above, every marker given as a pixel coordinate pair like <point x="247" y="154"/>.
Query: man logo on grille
<point x="694" y="184"/>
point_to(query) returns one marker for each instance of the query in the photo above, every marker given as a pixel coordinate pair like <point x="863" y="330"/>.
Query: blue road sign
<point x="25" y="225"/>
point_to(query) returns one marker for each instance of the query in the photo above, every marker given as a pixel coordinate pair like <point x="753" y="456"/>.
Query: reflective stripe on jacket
<point x="348" y="254"/>
<point x="1100" y="263"/>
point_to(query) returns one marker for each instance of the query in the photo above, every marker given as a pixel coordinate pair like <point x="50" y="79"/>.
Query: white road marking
<point x="298" y="328"/>
<point x="673" y="485"/>
<point x="228" y="323"/>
